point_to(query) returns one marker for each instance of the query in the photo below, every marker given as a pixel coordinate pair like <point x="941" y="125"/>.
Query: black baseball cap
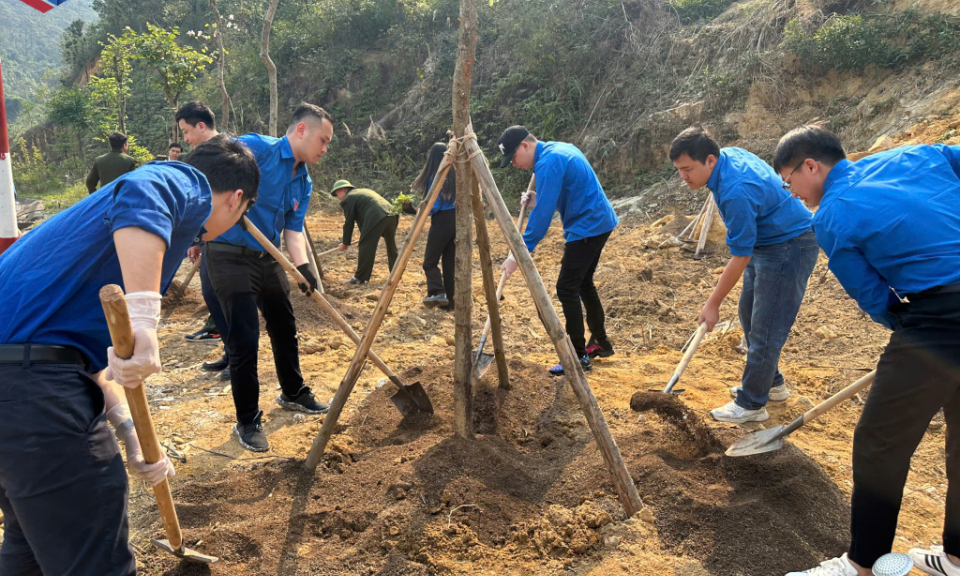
<point x="509" y="142"/>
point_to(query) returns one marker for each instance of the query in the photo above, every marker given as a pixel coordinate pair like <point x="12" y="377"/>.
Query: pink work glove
<point x="144" y="310"/>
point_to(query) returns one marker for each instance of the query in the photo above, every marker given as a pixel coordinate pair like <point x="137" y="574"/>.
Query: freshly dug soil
<point x="405" y="496"/>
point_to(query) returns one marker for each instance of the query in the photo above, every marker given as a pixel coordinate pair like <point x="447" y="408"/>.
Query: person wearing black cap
<point x="371" y="213"/>
<point x="566" y="183"/>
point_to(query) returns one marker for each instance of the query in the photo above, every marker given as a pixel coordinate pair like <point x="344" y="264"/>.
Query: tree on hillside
<point x="176" y="66"/>
<point x="268" y="63"/>
<point x="115" y="62"/>
<point x="71" y="108"/>
<point x="219" y="28"/>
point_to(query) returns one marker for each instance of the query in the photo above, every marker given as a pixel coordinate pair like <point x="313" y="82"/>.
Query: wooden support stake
<point x="692" y="226"/>
<point x="312" y="257"/>
<point x="707" y="223"/>
<point x="626" y="490"/>
<point x="489" y="288"/>
<point x="379" y="312"/>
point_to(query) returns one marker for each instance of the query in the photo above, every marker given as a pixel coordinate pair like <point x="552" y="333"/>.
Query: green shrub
<point x="694" y="10"/>
<point x="852" y="42"/>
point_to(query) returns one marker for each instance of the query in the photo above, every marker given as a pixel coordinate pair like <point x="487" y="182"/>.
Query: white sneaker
<point x="833" y="567"/>
<point x="934" y="561"/>
<point x="777" y="393"/>
<point x="733" y="412"/>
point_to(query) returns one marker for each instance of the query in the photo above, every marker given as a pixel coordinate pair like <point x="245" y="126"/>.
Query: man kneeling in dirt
<point x="371" y="213"/>
<point x="771" y="247"/>
<point x="62" y="485"/>
<point x="890" y="225"/>
<point x="566" y="183"/>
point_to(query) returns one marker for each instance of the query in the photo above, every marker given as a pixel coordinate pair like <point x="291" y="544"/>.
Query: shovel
<point x="483" y="361"/>
<point x="410" y="399"/>
<point x="121" y="333"/>
<point x="772" y="438"/>
<point x="691" y="349"/>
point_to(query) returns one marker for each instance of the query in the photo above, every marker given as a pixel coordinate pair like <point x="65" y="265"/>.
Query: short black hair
<point x="306" y="110"/>
<point x="195" y="112"/>
<point x="117" y="140"/>
<point x="810" y="141"/>
<point x="228" y="166"/>
<point x="175" y="145"/>
<point x="695" y="143"/>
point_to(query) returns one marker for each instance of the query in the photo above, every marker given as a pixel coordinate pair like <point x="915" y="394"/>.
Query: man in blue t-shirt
<point x="890" y="225"/>
<point x="247" y="279"/>
<point x="771" y="247"/>
<point x="567" y="184"/>
<point x="62" y="484"/>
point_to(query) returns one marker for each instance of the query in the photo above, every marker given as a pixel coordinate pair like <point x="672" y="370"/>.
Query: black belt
<point x="935" y="291"/>
<point x="224" y="247"/>
<point x="27" y="354"/>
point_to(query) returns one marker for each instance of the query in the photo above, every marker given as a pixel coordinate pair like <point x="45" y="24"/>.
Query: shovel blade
<point x="184" y="552"/>
<point x="675" y="391"/>
<point x="758" y="442"/>
<point x="483" y="364"/>
<point x="411" y="400"/>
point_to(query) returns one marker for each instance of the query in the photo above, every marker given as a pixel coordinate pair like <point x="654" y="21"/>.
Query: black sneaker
<point x="305" y="402"/>
<point x="222" y="364"/>
<point x="436" y="300"/>
<point x="585" y="365"/>
<point x="356" y="281"/>
<point x="225" y="375"/>
<point x="602" y="349"/>
<point x="202" y="335"/>
<point x="251" y="435"/>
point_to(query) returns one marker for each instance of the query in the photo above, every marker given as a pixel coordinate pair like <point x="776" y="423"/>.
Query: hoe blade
<point x="184" y="552"/>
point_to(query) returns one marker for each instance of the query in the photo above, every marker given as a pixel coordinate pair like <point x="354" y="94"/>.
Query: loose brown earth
<point x="530" y="494"/>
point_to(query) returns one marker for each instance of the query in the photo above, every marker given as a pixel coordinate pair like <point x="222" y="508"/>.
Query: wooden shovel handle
<point x="691" y="350"/>
<point x="121" y="333"/>
<point x="186" y="282"/>
<point x="839" y="397"/>
<point x="330" y="310"/>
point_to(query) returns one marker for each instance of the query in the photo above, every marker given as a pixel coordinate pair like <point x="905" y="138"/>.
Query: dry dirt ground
<point x="530" y="494"/>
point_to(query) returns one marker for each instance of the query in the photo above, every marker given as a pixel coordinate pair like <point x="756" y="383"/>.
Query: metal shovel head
<point x="184" y="552"/>
<point x="674" y="391"/>
<point x="411" y="400"/>
<point x="483" y="363"/>
<point x="758" y="442"/>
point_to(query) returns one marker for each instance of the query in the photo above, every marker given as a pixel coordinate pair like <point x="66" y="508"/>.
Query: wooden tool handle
<point x="325" y="252"/>
<point x="186" y="282"/>
<point x="697" y="337"/>
<point x="121" y="333"/>
<point x="503" y="278"/>
<point x="327" y="307"/>
<point x="839" y="397"/>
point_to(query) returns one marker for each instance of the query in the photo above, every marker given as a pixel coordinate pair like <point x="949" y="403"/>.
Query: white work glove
<point x="509" y="266"/>
<point x="530" y="197"/>
<point x="119" y="417"/>
<point x="144" y="308"/>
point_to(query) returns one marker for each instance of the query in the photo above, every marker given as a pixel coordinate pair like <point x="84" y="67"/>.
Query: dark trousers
<point x="575" y="283"/>
<point x="245" y="284"/>
<point x="441" y="243"/>
<point x="918" y="374"/>
<point x="774" y="283"/>
<point x="63" y="486"/>
<point x="213" y="305"/>
<point x="367" y="246"/>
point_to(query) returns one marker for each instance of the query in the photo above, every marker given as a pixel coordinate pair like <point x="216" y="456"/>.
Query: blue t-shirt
<point x="892" y="220"/>
<point x="755" y="208"/>
<point x="50" y="279"/>
<point x="441" y="203"/>
<point x="283" y="195"/>
<point x="566" y="183"/>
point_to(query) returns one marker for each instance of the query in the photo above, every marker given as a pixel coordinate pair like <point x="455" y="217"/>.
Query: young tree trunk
<point x="463" y="299"/>
<point x="221" y="65"/>
<point x="268" y="63"/>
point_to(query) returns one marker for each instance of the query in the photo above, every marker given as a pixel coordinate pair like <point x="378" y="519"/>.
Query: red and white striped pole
<point x="8" y="205"/>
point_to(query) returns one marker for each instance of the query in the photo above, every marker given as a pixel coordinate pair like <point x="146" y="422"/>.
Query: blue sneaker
<point x="585" y="365"/>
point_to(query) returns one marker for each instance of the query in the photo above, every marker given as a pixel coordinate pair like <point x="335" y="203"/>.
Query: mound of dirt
<point x="405" y="496"/>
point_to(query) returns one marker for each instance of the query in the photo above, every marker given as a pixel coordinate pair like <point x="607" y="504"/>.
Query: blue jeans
<point x="773" y="287"/>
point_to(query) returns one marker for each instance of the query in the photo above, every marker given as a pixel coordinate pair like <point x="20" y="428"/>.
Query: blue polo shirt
<point x="566" y="183"/>
<point x="892" y="220"/>
<point x="50" y="279"/>
<point x="755" y="208"/>
<point x="283" y="195"/>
